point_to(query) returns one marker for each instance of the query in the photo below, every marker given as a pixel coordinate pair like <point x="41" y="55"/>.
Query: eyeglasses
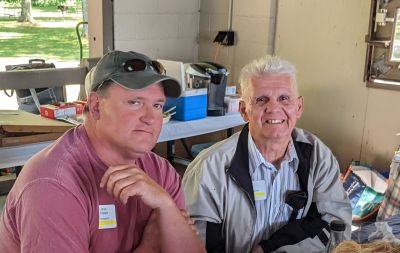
<point x="140" y="65"/>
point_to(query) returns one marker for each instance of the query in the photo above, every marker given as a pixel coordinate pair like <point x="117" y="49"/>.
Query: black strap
<point x="297" y="200"/>
<point x="239" y="168"/>
<point x="294" y="232"/>
<point x="303" y="151"/>
<point x="215" y="242"/>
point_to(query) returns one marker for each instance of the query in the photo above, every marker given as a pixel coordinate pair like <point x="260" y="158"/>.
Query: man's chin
<point x="278" y="135"/>
<point x="135" y="152"/>
<point x="145" y="146"/>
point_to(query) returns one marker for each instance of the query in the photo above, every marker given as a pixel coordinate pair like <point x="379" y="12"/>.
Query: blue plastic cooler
<point x="191" y="105"/>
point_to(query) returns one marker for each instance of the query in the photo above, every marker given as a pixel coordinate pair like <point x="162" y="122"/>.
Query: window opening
<point x="51" y="35"/>
<point x="382" y="64"/>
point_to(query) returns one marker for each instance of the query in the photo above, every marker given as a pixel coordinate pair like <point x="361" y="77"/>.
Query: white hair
<point x="265" y="65"/>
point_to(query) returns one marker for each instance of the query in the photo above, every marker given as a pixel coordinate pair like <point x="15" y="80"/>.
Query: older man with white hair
<point x="272" y="187"/>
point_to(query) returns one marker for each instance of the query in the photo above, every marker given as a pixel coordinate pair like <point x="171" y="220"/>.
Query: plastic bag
<point x="383" y="232"/>
<point x="365" y="188"/>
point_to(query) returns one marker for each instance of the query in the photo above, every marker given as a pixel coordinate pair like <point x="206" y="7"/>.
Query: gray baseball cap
<point x="131" y="70"/>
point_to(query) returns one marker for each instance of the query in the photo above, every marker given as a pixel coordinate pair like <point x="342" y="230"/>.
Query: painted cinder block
<point x="136" y="6"/>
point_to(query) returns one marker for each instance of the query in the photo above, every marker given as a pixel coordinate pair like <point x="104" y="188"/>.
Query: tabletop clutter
<point x="204" y="90"/>
<point x="63" y="110"/>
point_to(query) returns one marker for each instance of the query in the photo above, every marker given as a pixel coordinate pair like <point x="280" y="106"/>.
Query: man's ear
<point x="242" y="110"/>
<point x="94" y="105"/>
<point x="300" y="106"/>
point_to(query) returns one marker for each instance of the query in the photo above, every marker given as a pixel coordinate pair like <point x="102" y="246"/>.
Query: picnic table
<point x="11" y="11"/>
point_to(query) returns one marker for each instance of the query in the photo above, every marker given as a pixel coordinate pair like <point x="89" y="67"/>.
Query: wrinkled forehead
<point x="151" y="90"/>
<point x="281" y="81"/>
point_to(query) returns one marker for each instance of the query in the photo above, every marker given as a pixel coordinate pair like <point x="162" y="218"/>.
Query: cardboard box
<point x="191" y="105"/>
<point x="19" y="127"/>
<point x="61" y="110"/>
<point x="7" y="140"/>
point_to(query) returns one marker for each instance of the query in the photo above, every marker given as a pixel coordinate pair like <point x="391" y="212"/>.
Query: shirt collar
<point x="256" y="159"/>
<point x="291" y="156"/>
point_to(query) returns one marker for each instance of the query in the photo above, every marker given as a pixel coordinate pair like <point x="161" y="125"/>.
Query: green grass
<point x="52" y="36"/>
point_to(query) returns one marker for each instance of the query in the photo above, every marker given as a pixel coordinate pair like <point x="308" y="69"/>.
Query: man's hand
<point x="189" y="221"/>
<point x="170" y="229"/>
<point x="124" y="181"/>
<point x="257" y="249"/>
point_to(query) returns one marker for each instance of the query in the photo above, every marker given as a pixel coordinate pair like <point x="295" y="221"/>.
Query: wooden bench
<point x="11" y="11"/>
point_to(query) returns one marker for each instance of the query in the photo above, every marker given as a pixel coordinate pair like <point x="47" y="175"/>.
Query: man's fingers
<point x="189" y="221"/>
<point x="184" y="213"/>
<point x="111" y="170"/>
<point x="135" y="189"/>
<point x="128" y="180"/>
<point x="122" y="177"/>
<point x="118" y="186"/>
<point x="126" y="184"/>
<point x="195" y="230"/>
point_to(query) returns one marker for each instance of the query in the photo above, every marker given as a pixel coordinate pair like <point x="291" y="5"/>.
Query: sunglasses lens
<point x="159" y="67"/>
<point x="139" y="65"/>
<point x="134" y="65"/>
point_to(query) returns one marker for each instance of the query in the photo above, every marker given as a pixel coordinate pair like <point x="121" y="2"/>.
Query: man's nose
<point x="148" y="114"/>
<point x="272" y="105"/>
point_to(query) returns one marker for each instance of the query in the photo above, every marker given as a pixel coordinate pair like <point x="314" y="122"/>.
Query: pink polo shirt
<point x="54" y="204"/>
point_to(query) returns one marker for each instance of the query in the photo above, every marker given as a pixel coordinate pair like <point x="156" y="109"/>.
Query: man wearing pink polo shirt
<point x="99" y="188"/>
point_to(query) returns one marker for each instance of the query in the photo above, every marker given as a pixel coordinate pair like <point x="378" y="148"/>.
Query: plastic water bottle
<point x="397" y="156"/>
<point x="336" y="236"/>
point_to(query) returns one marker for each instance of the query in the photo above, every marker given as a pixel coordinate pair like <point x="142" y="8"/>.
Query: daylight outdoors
<point x="42" y="29"/>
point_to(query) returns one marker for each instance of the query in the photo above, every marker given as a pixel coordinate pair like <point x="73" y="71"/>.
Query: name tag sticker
<point x="259" y="190"/>
<point x="107" y="217"/>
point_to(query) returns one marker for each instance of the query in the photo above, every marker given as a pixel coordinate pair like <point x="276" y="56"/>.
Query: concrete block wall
<point x="250" y="21"/>
<point x="166" y="29"/>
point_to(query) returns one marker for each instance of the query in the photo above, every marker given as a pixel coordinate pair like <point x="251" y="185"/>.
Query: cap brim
<point x="141" y="79"/>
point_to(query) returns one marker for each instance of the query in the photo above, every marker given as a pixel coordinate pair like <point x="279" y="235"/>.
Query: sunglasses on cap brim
<point x="140" y="65"/>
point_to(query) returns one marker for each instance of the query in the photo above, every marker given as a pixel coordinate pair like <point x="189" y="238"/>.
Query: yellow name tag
<point x="107" y="217"/>
<point x="259" y="189"/>
<point x="259" y="194"/>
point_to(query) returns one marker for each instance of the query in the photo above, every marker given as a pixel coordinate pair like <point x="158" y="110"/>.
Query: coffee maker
<point x="212" y="76"/>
